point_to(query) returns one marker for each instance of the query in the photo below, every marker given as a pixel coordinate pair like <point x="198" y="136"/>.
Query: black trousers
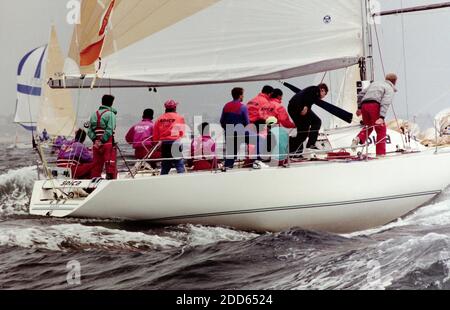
<point x="308" y="127"/>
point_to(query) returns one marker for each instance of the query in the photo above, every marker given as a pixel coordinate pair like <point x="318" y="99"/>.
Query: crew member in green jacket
<point x="101" y="132"/>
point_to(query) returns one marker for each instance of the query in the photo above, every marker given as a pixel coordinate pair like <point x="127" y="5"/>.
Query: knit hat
<point x="171" y="104"/>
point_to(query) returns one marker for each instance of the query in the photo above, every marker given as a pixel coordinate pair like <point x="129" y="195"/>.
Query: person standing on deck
<point x="234" y="119"/>
<point x="140" y="136"/>
<point x="276" y="109"/>
<point x="373" y="105"/>
<point x="307" y="122"/>
<point x="169" y="130"/>
<point x="44" y="136"/>
<point x="101" y="132"/>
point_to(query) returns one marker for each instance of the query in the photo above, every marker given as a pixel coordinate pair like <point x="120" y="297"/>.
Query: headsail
<point x="56" y="113"/>
<point x="180" y="42"/>
<point x="29" y="88"/>
<point x="344" y="89"/>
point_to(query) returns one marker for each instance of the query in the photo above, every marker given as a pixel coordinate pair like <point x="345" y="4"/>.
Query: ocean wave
<point x="15" y="191"/>
<point x="198" y="235"/>
<point x="76" y="236"/>
<point x="366" y="264"/>
<point x="79" y="237"/>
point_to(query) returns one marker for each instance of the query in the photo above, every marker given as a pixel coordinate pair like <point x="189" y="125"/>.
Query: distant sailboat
<point x="29" y="88"/>
<point x="38" y="107"/>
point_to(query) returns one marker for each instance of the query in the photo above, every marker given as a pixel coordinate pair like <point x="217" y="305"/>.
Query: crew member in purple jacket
<point x="76" y="156"/>
<point x="140" y="136"/>
<point x="234" y="120"/>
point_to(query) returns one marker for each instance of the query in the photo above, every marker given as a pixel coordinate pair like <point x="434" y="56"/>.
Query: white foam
<point x="198" y="235"/>
<point x="76" y="236"/>
<point x="15" y="187"/>
<point x="201" y="235"/>
<point x="435" y="214"/>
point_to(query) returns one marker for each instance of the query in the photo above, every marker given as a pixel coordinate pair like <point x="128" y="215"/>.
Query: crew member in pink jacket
<point x="275" y="108"/>
<point x="140" y="136"/>
<point x="254" y="105"/>
<point x="203" y="150"/>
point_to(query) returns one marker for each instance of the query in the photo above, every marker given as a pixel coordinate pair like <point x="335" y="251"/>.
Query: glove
<point x="98" y="144"/>
<point x="304" y="112"/>
<point x="379" y="121"/>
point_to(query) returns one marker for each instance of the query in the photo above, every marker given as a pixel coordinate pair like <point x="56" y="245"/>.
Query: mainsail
<point x="178" y="42"/>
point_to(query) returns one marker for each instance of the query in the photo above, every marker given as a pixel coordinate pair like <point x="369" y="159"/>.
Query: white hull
<point x="336" y="197"/>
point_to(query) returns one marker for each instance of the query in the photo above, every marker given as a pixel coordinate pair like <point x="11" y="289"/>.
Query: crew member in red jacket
<point x="170" y="129"/>
<point x="275" y="108"/>
<point x="254" y="105"/>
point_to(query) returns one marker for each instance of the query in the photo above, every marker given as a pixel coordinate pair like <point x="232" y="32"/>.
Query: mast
<point x="367" y="63"/>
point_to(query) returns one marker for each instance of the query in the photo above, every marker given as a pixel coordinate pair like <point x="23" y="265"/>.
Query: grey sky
<point x="25" y="24"/>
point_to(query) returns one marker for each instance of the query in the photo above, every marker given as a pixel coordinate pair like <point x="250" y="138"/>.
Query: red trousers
<point x="105" y="156"/>
<point x="79" y="171"/>
<point x="203" y="165"/>
<point x="370" y="114"/>
<point x="82" y="171"/>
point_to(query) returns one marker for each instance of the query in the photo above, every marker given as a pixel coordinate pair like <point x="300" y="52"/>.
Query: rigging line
<point x="324" y="76"/>
<point x="29" y="109"/>
<point x="331" y="93"/>
<point x="379" y="48"/>
<point x="405" y="63"/>
<point x="384" y="73"/>
<point x="78" y="101"/>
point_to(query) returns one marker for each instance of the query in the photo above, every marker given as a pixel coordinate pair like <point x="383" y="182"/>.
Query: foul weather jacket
<point x="107" y="124"/>
<point x="275" y="108"/>
<point x="169" y="127"/>
<point x="380" y="92"/>
<point x="255" y="105"/>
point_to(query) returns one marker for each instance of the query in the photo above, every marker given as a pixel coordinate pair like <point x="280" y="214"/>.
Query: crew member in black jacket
<point x="307" y="122"/>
